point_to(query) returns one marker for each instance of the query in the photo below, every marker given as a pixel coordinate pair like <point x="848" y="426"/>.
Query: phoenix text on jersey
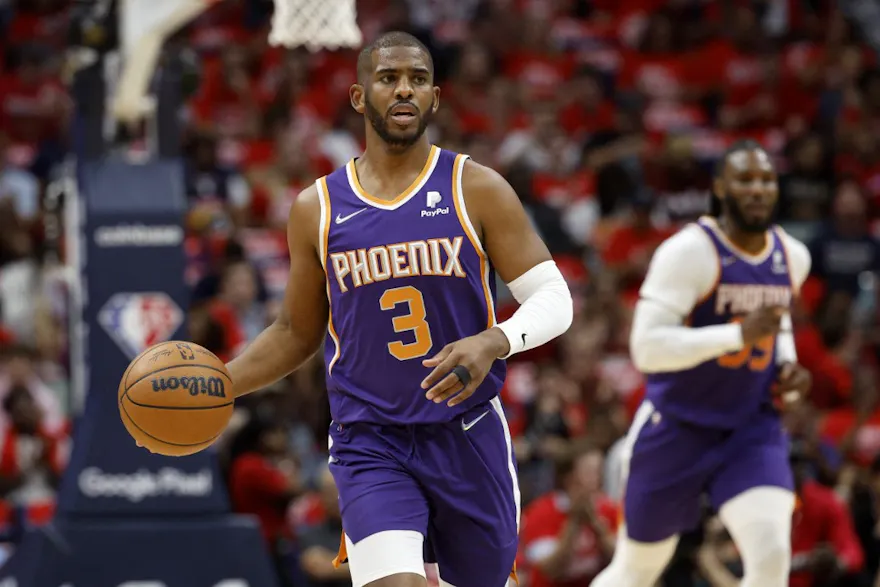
<point x="435" y="256"/>
<point x="744" y="298"/>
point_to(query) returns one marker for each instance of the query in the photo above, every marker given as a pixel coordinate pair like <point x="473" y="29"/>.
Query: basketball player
<point x="713" y="334"/>
<point x="405" y="241"/>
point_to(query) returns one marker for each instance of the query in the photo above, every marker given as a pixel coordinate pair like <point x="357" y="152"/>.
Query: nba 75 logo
<point x="137" y="321"/>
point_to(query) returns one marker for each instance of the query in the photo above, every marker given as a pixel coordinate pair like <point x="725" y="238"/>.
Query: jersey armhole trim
<point x="780" y="235"/>
<point x="324" y="224"/>
<point x="465" y="221"/>
<point x="460" y="206"/>
<point x="323" y="247"/>
<point x="717" y="254"/>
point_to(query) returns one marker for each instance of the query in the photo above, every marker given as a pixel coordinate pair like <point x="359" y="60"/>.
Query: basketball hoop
<point x="146" y="24"/>
<point x="315" y="24"/>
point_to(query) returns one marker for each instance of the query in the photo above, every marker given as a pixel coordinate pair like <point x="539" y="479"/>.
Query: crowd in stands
<point x="607" y="117"/>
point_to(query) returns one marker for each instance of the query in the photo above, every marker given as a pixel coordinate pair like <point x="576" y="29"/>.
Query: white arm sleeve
<point x="683" y="270"/>
<point x="546" y="308"/>
<point x="799" y="262"/>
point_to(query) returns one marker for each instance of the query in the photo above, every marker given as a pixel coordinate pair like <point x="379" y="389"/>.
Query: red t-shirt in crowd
<point x="659" y="77"/>
<point x="543" y="522"/>
<point x="832" y="379"/>
<point x="837" y="424"/>
<point x="29" y="111"/>
<point x="258" y="488"/>
<point x="576" y="119"/>
<point x="626" y="244"/>
<point x="233" y="333"/>
<point x="821" y="518"/>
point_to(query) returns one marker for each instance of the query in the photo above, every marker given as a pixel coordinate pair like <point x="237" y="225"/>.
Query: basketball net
<point x="315" y="24"/>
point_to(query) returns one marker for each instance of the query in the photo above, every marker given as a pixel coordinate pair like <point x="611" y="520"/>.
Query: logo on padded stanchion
<point x="137" y="321"/>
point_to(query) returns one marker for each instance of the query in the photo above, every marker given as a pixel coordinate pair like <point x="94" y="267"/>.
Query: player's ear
<point x="718" y="187"/>
<point x="436" y="105"/>
<point x="357" y="96"/>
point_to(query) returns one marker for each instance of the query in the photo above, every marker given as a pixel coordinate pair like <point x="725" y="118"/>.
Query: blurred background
<point x="606" y="117"/>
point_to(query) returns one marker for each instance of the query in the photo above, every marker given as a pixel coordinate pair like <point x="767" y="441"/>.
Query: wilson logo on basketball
<point x="211" y="386"/>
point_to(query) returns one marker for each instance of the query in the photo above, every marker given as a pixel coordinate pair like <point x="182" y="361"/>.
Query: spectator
<point x="237" y="309"/>
<point x="263" y="480"/>
<point x="227" y="103"/>
<point x="631" y="245"/>
<point x="865" y="495"/>
<point x="821" y="458"/>
<point x="682" y="187"/>
<point x="319" y="544"/>
<point x="218" y="196"/>
<point x="209" y="285"/>
<point x="18" y="370"/>
<point x="845" y="248"/>
<point x="20" y="278"/>
<point x="806" y="190"/>
<point x="31" y="458"/>
<point x="568" y="534"/>
<point x="825" y="549"/>
<point x="540" y="147"/>
<point x="18" y="187"/>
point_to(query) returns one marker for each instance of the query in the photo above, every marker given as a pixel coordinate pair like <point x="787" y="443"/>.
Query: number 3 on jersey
<point x="413" y="321"/>
<point x="758" y="355"/>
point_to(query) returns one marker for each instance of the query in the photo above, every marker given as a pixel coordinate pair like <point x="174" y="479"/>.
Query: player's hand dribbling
<point x="760" y="323"/>
<point x="474" y="353"/>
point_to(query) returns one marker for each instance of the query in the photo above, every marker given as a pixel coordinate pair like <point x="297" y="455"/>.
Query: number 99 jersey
<point x="726" y="392"/>
<point x="405" y="277"/>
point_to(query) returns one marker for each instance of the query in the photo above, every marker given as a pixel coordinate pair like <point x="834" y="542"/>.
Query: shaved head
<point x="387" y="41"/>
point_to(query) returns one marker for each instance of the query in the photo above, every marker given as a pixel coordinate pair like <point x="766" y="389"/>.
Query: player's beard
<point x="382" y="125"/>
<point x="744" y="224"/>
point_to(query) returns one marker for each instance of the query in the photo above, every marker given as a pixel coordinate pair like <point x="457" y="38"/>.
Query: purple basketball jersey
<point x="405" y="277"/>
<point x="727" y="391"/>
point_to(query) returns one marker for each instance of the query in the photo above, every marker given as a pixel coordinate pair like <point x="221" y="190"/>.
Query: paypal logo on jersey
<point x="137" y="321"/>
<point x="431" y="201"/>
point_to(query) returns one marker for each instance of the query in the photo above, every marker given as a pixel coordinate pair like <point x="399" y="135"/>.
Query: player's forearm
<point x="545" y="312"/>
<point x="275" y="353"/>
<point x="675" y="348"/>
<point x="658" y="346"/>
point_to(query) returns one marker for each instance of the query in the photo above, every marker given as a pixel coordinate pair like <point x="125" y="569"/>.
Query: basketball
<point x="175" y="398"/>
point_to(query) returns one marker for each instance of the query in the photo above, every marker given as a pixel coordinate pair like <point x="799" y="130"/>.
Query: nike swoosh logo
<point x="341" y="219"/>
<point x="524" y="339"/>
<point x="467" y="426"/>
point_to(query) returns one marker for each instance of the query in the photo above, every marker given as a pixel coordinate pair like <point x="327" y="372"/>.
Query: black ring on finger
<point x="463" y="374"/>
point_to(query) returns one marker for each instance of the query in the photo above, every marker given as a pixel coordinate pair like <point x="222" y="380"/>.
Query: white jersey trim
<point x="511" y="466"/>
<point x="473" y="237"/>
<point x="323" y="246"/>
<point x="712" y="225"/>
<point x="421" y="180"/>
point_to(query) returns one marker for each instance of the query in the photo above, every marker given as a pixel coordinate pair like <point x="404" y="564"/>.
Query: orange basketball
<point x="175" y="398"/>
